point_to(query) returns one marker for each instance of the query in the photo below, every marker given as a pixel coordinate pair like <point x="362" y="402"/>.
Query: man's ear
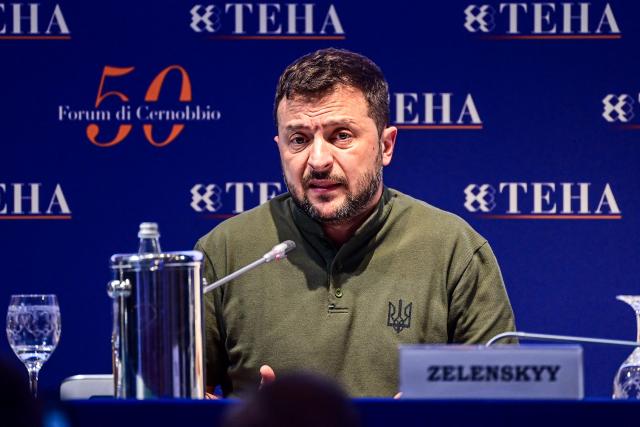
<point x="388" y="142"/>
<point x="276" y="139"/>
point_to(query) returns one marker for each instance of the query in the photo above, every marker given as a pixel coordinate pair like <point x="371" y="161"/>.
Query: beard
<point x="355" y="201"/>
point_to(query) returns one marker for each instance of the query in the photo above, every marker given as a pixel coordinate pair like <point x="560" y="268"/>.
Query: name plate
<point x="499" y="372"/>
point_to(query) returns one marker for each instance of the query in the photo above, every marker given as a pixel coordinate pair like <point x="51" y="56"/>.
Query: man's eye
<point x="343" y="136"/>
<point x="298" y="140"/>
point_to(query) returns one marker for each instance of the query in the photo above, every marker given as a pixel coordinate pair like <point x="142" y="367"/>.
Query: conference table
<point x="373" y="412"/>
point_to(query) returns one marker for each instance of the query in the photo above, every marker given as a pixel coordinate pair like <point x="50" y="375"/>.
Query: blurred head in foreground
<point x="17" y="406"/>
<point x="295" y="400"/>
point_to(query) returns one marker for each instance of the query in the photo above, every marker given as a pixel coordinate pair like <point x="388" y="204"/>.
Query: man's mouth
<point x="322" y="185"/>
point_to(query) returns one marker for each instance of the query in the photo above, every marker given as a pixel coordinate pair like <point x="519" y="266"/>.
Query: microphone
<point x="277" y="253"/>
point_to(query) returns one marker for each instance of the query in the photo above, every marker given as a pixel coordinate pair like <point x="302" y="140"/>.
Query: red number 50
<point x="152" y="95"/>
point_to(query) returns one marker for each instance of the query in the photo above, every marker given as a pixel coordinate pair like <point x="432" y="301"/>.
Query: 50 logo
<point x="161" y="125"/>
<point x="152" y="95"/>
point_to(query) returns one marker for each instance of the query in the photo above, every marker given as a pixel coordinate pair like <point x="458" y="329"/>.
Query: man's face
<point x="332" y="155"/>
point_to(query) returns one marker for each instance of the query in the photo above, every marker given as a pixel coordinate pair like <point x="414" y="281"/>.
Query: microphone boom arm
<point x="233" y="275"/>
<point x="277" y="253"/>
<point x="560" y="338"/>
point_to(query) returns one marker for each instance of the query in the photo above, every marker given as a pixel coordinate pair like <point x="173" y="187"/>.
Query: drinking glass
<point x="33" y="331"/>
<point x="626" y="384"/>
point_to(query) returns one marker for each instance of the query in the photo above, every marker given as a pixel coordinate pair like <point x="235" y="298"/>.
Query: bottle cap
<point x="148" y="230"/>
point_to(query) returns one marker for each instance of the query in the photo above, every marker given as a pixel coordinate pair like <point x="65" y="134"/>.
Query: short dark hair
<point x="293" y="400"/>
<point x="319" y="73"/>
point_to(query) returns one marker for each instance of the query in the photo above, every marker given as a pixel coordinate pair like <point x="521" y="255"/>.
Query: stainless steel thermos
<point x="157" y="339"/>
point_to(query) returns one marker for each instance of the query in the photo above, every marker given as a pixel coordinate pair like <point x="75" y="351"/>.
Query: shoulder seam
<point x="468" y="263"/>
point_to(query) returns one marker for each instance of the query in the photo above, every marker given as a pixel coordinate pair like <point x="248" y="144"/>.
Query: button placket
<point x="337" y="303"/>
<point x="330" y="296"/>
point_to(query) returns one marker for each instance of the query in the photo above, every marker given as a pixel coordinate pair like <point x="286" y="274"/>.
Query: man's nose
<point x="321" y="157"/>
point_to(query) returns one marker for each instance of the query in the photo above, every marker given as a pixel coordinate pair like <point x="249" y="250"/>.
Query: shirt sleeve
<point x="216" y="360"/>
<point x="479" y="305"/>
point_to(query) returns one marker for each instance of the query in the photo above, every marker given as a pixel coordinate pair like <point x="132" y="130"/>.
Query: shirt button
<point x="338" y="293"/>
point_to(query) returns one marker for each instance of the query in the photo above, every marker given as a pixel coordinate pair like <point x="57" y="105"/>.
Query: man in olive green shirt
<point x="373" y="268"/>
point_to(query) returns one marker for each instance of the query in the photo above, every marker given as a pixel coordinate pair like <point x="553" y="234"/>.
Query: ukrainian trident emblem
<point x="399" y="317"/>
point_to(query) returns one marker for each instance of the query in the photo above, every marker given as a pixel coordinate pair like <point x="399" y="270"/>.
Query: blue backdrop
<point x="521" y="118"/>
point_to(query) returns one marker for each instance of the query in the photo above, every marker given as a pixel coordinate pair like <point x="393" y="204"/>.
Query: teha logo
<point x="399" y="317"/>
<point x="153" y="112"/>
<point x="232" y="198"/>
<point x="479" y="18"/>
<point x="33" y="201"/>
<point x="435" y="111"/>
<point x="32" y="21"/>
<point x="542" y="200"/>
<point x="621" y="110"/>
<point x="539" y="21"/>
<point x="267" y="21"/>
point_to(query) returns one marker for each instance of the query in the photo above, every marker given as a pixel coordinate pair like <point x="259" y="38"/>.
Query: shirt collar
<point x="312" y="230"/>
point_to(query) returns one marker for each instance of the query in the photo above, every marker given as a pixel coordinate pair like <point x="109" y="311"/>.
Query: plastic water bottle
<point x="149" y="238"/>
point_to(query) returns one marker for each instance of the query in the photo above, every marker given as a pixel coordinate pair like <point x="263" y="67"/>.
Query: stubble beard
<point x="354" y="203"/>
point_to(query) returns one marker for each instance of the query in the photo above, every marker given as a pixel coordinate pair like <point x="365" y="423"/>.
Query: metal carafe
<point x="157" y="339"/>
